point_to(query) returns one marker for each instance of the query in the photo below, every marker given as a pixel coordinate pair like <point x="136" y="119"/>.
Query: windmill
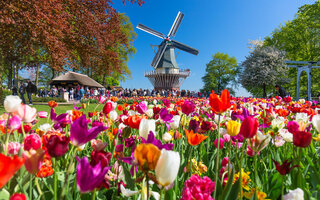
<point x="167" y="74"/>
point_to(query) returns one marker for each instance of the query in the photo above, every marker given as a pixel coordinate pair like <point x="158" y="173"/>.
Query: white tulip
<point x="147" y="125"/>
<point x="176" y="122"/>
<point x="127" y="192"/>
<point x="167" y="167"/>
<point x="166" y="137"/>
<point x="296" y="194"/>
<point x="155" y="102"/>
<point x="113" y="115"/>
<point x="316" y="122"/>
<point x="286" y="135"/>
<point x="278" y="123"/>
<point x="45" y="127"/>
<point x="12" y="103"/>
<point x="121" y="126"/>
<point x="302" y="117"/>
<point x="302" y="101"/>
<point x="149" y="112"/>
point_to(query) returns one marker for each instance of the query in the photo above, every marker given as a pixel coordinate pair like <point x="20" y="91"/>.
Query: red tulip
<point x="8" y="167"/>
<point x="285" y="167"/>
<point x="249" y="127"/>
<point x="107" y="108"/>
<point x="302" y="138"/>
<point x="18" y="196"/>
<point x="57" y="146"/>
<point x="220" y="104"/>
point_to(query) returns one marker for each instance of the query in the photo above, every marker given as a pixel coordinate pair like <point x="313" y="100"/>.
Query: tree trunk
<point x="53" y="73"/>
<point x="104" y="79"/>
<point x="264" y="91"/>
<point x="37" y="75"/>
<point x="10" y="75"/>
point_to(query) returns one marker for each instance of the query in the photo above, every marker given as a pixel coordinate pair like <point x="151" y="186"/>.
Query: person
<point x="281" y="91"/>
<point x="29" y="90"/>
<point x="22" y="90"/>
<point x="14" y="91"/>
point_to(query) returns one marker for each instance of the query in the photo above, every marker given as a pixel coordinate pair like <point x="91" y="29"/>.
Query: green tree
<point x="300" y="39"/>
<point x="262" y="69"/>
<point x="221" y="73"/>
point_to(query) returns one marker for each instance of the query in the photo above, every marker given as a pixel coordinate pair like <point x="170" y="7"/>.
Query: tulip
<point x="8" y="167"/>
<point x="26" y="128"/>
<point x="142" y="107"/>
<point x="149" y="112"/>
<point x="220" y="105"/>
<point x="146" y="125"/>
<point x="43" y="114"/>
<point x="249" y="127"/>
<point x="52" y="104"/>
<point x="79" y="133"/>
<point x="113" y="115"/>
<point x="134" y="121"/>
<point x="102" y="99"/>
<point x="26" y="113"/>
<point x="107" y="108"/>
<point x="176" y="122"/>
<point x="165" y="116"/>
<point x="194" y="125"/>
<point x="14" y="122"/>
<point x="316" y="122"/>
<point x="60" y="120"/>
<point x="13" y="148"/>
<point x="166" y="137"/>
<point x="32" y="141"/>
<point x="88" y="177"/>
<point x="194" y="138"/>
<point x="101" y="157"/>
<point x="147" y="156"/>
<point x="18" y="196"/>
<point x="98" y="145"/>
<point x="33" y="160"/>
<point x="57" y="146"/>
<point x="286" y="135"/>
<point x="296" y="194"/>
<point x="188" y="107"/>
<point x="293" y="126"/>
<point x="167" y="167"/>
<point x="221" y="143"/>
<point x="198" y="188"/>
<point x="45" y="127"/>
<point x="233" y="128"/>
<point x="152" y="140"/>
<point x="259" y="141"/>
<point x="12" y="103"/>
<point x="285" y="167"/>
<point x="206" y="126"/>
<point x="302" y="139"/>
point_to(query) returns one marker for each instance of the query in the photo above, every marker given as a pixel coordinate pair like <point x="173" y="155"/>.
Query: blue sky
<point x="208" y="25"/>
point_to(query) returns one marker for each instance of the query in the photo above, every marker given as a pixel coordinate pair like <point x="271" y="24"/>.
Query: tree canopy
<point x="262" y="69"/>
<point x="221" y="73"/>
<point x="300" y="39"/>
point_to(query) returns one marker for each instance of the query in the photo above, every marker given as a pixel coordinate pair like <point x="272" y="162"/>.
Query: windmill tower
<point x="167" y="74"/>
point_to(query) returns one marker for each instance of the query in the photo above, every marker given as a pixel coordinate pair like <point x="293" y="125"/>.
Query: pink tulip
<point x="13" y="148"/>
<point x="102" y="99"/>
<point x="26" y="113"/>
<point x="14" y="122"/>
<point x="32" y="141"/>
<point x="43" y="114"/>
<point x="221" y="143"/>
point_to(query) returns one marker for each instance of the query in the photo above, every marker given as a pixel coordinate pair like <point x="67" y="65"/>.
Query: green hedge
<point x="34" y="98"/>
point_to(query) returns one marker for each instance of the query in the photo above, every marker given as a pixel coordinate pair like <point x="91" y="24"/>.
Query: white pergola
<point x="301" y="67"/>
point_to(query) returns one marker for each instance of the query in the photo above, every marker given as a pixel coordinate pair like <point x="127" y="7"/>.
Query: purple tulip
<point x="88" y="177"/>
<point x="151" y="139"/>
<point x="165" y="116"/>
<point x="142" y="107"/>
<point x="59" y="120"/>
<point x="79" y="133"/>
<point x="194" y="125"/>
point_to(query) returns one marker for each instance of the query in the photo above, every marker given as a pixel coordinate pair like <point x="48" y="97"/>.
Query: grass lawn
<point x="60" y="109"/>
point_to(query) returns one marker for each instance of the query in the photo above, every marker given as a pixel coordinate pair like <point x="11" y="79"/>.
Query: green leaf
<point x="128" y="177"/>
<point x="4" y="194"/>
<point x="235" y="189"/>
<point x="227" y="188"/>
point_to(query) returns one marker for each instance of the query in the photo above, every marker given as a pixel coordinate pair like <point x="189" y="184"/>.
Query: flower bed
<point x="162" y="148"/>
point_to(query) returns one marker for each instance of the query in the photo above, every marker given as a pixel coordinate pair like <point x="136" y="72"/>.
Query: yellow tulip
<point x="233" y="128"/>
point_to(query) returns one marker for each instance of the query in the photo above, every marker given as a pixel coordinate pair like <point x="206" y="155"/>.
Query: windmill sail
<point x="176" y="25"/>
<point x="159" y="54"/>
<point x="184" y="47"/>
<point x="151" y="31"/>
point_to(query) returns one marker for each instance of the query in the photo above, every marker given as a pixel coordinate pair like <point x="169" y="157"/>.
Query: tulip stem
<point x="55" y="179"/>
<point x="241" y="158"/>
<point x="282" y="187"/>
<point x="66" y="180"/>
<point x="7" y="137"/>
<point x="255" y="176"/>
<point x="162" y="194"/>
<point x="30" y="187"/>
<point x="38" y="187"/>
<point x="147" y="178"/>
<point x="94" y="194"/>
<point x="217" y="160"/>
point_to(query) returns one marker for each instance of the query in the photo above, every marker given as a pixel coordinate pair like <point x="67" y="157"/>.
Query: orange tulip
<point x="52" y="104"/>
<point x="147" y="156"/>
<point x="220" y="104"/>
<point x="120" y="108"/>
<point x="194" y="138"/>
<point x="8" y="167"/>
